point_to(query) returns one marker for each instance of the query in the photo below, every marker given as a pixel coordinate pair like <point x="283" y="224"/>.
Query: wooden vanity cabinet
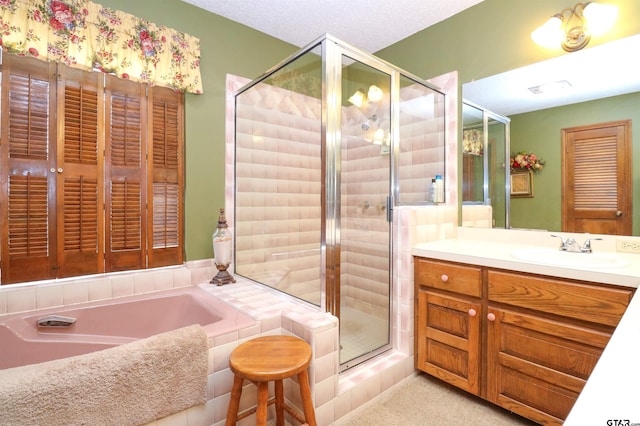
<point x="544" y="337"/>
<point x="448" y="318"/>
<point x="526" y="343"/>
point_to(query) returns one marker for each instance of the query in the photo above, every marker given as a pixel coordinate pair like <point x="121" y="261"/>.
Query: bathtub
<point x="107" y="323"/>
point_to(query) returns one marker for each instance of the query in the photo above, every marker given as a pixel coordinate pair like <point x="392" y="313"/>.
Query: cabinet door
<point x="536" y="367"/>
<point x="448" y="339"/>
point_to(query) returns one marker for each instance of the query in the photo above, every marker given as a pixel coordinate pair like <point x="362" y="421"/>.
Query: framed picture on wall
<point x="522" y="184"/>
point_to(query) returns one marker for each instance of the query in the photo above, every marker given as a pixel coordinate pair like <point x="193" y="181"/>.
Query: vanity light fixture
<point x="374" y="95"/>
<point x="372" y="131"/>
<point x="573" y="27"/>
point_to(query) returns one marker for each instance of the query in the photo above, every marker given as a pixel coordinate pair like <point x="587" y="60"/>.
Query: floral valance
<point x="83" y="34"/>
<point x="473" y="141"/>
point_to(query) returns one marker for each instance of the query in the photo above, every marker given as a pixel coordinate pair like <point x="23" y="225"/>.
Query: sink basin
<point x="555" y="257"/>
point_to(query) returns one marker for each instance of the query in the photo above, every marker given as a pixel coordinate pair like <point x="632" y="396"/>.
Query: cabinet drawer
<point x="599" y="304"/>
<point x="449" y="276"/>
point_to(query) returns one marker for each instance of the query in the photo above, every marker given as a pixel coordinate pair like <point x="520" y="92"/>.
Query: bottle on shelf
<point x="433" y="191"/>
<point x="439" y="189"/>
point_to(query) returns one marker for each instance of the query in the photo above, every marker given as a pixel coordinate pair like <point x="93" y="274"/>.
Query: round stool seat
<point x="270" y="358"/>
<point x="265" y="359"/>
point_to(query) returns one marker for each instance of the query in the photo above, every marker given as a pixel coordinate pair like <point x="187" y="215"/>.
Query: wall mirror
<point x="596" y="85"/>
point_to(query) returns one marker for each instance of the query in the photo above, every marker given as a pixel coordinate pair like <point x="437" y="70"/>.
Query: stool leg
<point x="234" y="403"/>
<point x="305" y="394"/>
<point x="263" y="396"/>
<point x="279" y="403"/>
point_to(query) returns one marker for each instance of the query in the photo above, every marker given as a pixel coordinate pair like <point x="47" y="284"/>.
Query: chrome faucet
<point x="571" y="245"/>
<point x="55" y="321"/>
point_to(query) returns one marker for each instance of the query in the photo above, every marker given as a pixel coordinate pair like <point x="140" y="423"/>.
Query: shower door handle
<point x="389" y="209"/>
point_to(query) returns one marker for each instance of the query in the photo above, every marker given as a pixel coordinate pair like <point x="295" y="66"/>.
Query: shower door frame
<point x="506" y="122"/>
<point x="332" y="51"/>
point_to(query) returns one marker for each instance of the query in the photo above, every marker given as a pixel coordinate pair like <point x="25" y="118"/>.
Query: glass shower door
<point x="364" y="176"/>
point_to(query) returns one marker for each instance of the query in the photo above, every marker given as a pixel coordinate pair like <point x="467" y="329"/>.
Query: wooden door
<point x="28" y="164"/>
<point x="596" y="179"/>
<point x="80" y="172"/>
<point x="125" y="175"/>
<point x="165" y="183"/>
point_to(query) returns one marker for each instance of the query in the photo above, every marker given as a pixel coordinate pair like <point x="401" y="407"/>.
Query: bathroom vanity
<point x="525" y="336"/>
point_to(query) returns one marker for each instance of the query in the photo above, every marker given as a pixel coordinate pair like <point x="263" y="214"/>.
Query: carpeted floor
<point x="423" y="400"/>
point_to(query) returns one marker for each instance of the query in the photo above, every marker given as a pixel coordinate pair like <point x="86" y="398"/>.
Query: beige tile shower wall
<point x="278" y="181"/>
<point x="422" y="139"/>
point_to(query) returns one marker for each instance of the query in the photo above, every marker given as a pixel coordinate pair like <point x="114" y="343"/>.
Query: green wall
<point x="540" y="132"/>
<point x="495" y="36"/>
<point x="489" y="38"/>
<point x="226" y="47"/>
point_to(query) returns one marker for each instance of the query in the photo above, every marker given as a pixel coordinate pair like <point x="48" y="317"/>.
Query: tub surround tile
<point x="3" y="303"/>
<point x="48" y="296"/>
<point x="144" y="283"/>
<point x="223" y="382"/>
<point x="21" y="300"/>
<point x="163" y="280"/>
<point x="100" y="289"/>
<point x="75" y="293"/>
<point x="123" y="286"/>
<point x="181" y="277"/>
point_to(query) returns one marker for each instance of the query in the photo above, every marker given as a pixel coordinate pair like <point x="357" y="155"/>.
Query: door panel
<point x="28" y="164"/>
<point x="596" y="179"/>
<point x="80" y="170"/>
<point x="125" y="143"/>
<point x="364" y="178"/>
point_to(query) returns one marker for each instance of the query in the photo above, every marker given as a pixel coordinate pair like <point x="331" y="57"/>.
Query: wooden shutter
<point x="28" y="161"/>
<point x="80" y="172"/>
<point x="166" y="183"/>
<point x="596" y="174"/>
<point x="125" y="175"/>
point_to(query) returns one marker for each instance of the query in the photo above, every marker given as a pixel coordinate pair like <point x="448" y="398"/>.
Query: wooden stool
<point x="271" y="358"/>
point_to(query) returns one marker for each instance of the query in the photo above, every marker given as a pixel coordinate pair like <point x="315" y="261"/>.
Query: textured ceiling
<point x="369" y="25"/>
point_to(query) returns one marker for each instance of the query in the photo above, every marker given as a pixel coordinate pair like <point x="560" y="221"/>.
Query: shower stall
<point x="485" y="167"/>
<point x="327" y="144"/>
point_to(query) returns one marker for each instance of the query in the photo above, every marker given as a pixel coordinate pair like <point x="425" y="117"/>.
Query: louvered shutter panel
<point x="166" y="169"/>
<point x="125" y="175"/>
<point x="596" y="174"/>
<point x="80" y="182"/>
<point x="28" y="210"/>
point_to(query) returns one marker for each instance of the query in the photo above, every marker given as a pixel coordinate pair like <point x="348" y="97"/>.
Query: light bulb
<point x="357" y="98"/>
<point x="375" y="93"/>
<point x="549" y="34"/>
<point x="600" y="17"/>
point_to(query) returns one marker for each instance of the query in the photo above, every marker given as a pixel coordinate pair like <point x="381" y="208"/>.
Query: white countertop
<point x="612" y="389"/>
<point x="498" y="255"/>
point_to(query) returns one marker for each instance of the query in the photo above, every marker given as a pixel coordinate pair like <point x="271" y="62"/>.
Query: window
<point x="92" y="173"/>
